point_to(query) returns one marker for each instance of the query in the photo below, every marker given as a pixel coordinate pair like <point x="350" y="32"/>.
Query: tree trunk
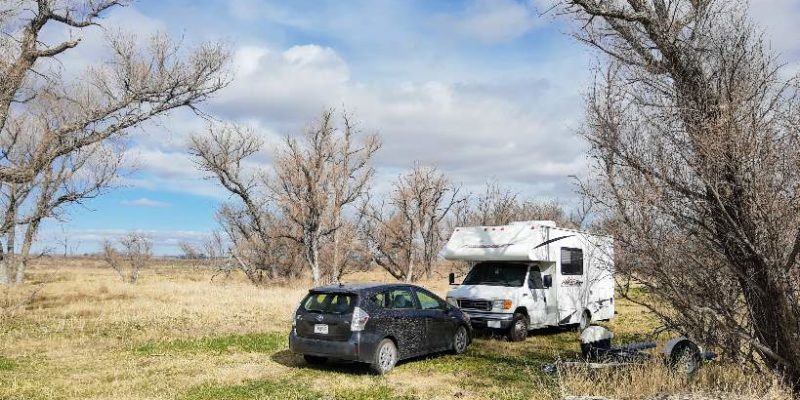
<point x="774" y="324"/>
<point x="312" y="256"/>
<point x="10" y="258"/>
<point x="336" y="272"/>
<point x="22" y="264"/>
<point x="4" y="272"/>
<point x="24" y="255"/>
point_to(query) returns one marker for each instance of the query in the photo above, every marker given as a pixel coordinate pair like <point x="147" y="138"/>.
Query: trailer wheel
<point x="685" y="357"/>
<point x="519" y="328"/>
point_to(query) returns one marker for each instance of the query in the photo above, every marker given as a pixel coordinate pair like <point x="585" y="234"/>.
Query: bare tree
<point x="406" y="232"/>
<point x="45" y="117"/>
<point x="190" y="250"/>
<point x="249" y="224"/>
<point x="498" y="205"/>
<point x="135" y="252"/>
<point x="81" y="175"/>
<point x="696" y="146"/>
<point x="315" y="179"/>
<point x="302" y="204"/>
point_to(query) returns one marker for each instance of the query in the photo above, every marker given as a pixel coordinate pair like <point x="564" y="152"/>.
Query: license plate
<point x="321" y="329"/>
<point x="493" y="324"/>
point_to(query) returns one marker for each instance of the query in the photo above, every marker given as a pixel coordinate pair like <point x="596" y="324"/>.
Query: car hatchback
<point x="377" y="324"/>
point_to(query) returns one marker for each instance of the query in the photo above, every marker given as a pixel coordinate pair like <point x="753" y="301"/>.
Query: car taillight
<point x="360" y="318"/>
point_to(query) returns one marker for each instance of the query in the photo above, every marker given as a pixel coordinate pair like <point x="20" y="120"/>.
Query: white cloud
<point x="520" y="130"/>
<point x="283" y="86"/>
<point x="778" y="19"/>
<point x="492" y="21"/>
<point x="144" y="202"/>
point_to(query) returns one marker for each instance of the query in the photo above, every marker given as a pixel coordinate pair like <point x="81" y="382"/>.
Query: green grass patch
<point x="7" y="364"/>
<point x="286" y="389"/>
<point x="259" y="389"/>
<point x="247" y="343"/>
<point x="379" y="392"/>
<point x="484" y="364"/>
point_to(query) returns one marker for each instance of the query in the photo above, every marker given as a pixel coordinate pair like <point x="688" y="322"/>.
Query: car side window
<point x="378" y="300"/>
<point x="400" y="299"/>
<point x="429" y="302"/>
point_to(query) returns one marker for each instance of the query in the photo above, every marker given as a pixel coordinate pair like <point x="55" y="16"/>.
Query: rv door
<point x="537" y="303"/>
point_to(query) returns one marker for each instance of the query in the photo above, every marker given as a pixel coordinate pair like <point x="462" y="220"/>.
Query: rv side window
<point x="571" y="261"/>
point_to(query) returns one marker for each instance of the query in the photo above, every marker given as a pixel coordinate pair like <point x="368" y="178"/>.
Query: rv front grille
<point x="483" y="305"/>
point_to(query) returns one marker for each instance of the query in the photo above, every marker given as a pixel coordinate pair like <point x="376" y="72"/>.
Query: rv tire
<point x="585" y="321"/>
<point x="519" y="328"/>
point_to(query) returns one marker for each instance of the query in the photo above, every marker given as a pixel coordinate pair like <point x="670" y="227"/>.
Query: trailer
<point x="532" y="274"/>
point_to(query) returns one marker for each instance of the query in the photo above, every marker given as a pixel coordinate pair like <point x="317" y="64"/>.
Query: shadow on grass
<point x="494" y="334"/>
<point x="289" y="359"/>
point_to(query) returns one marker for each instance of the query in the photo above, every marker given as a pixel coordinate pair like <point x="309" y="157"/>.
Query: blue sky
<point x="483" y="89"/>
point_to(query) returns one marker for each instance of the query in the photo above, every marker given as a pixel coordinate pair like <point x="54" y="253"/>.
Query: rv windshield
<point x="497" y="274"/>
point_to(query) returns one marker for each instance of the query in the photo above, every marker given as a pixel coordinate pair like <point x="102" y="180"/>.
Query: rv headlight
<point x="452" y="301"/>
<point x="503" y="304"/>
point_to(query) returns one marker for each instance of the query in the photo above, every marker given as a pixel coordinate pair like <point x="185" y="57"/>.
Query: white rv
<point x="532" y="274"/>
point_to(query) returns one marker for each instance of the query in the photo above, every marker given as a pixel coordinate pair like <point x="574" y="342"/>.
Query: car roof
<point x="358" y="287"/>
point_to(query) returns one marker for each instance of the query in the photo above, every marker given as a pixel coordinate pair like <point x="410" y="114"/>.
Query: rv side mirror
<point x="547" y="281"/>
<point x="451" y="277"/>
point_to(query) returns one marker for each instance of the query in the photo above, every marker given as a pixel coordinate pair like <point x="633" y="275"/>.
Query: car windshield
<point x="497" y="274"/>
<point x="329" y="303"/>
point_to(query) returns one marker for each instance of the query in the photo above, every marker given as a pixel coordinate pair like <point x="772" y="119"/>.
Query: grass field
<point x="76" y="332"/>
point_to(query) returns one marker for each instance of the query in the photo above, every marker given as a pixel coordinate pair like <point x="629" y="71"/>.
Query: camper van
<point x="532" y="274"/>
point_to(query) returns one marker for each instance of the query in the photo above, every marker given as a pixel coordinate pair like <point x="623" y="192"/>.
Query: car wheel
<point x="314" y="360"/>
<point x="460" y="340"/>
<point x="519" y="328"/>
<point x="586" y="320"/>
<point x="385" y="357"/>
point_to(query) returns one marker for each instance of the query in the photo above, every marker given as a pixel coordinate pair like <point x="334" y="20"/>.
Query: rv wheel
<point x="586" y="320"/>
<point x="519" y="328"/>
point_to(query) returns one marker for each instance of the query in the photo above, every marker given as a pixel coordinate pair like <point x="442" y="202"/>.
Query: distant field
<point x="176" y="335"/>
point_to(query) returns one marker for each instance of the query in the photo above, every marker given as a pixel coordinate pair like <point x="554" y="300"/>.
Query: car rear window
<point x="329" y="303"/>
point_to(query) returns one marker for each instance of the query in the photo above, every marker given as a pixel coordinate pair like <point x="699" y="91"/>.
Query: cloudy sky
<point x="484" y="89"/>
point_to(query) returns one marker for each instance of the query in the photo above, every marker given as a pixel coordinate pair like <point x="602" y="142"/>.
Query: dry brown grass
<point x="85" y="334"/>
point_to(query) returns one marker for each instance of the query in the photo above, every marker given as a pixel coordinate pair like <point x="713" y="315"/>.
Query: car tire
<point x="314" y="360"/>
<point x="385" y="357"/>
<point x="460" y="340"/>
<point x="519" y="328"/>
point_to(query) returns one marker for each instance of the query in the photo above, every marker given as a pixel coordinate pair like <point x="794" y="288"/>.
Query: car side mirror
<point x="451" y="277"/>
<point x="547" y="281"/>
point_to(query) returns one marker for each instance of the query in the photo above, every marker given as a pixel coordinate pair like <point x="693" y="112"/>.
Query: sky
<point x="482" y="89"/>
